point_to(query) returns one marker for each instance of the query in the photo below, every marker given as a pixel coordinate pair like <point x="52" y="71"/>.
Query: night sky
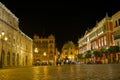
<point x="68" y="21"/>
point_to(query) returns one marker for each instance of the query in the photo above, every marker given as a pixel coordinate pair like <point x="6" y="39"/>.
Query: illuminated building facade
<point x="15" y="46"/>
<point x="98" y="37"/>
<point x="116" y="25"/>
<point x="44" y="50"/>
<point x="69" y="51"/>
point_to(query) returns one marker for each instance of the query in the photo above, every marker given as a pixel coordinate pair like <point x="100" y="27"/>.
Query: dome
<point x="69" y="44"/>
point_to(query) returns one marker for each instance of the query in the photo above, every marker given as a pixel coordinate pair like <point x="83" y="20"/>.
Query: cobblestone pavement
<point x="64" y="72"/>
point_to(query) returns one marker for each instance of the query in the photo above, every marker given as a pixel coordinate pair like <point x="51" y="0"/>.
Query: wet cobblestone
<point x="64" y="72"/>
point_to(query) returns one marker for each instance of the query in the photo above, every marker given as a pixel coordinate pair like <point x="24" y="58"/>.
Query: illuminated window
<point x="88" y="39"/>
<point x="102" y="41"/>
<point x="8" y="58"/>
<point x="99" y="43"/>
<point x="105" y="43"/>
<point x="94" y="44"/>
<point x="92" y="36"/>
<point x="112" y="38"/>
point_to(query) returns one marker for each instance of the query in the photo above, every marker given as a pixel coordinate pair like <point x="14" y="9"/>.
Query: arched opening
<point x="13" y="59"/>
<point x="26" y="61"/>
<point x="17" y="59"/>
<point x="2" y="57"/>
<point x="8" y="58"/>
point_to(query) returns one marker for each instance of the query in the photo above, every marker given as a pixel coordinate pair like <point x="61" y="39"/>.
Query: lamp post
<point x="36" y="61"/>
<point x="44" y="54"/>
<point x="36" y="50"/>
<point x="2" y="39"/>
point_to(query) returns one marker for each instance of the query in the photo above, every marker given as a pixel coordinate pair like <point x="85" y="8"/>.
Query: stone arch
<point x="26" y="60"/>
<point x="8" y="58"/>
<point x="17" y="59"/>
<point x="13" y="59"/>
<point x="2" y="57"/>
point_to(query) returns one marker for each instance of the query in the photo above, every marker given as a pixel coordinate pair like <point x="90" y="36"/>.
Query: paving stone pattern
<point x="64" y="72"/>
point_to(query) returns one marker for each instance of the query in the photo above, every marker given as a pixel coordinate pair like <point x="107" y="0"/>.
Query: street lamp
<point x="44" y="54"/>
<point x="2" y="39"/>
<point x="36" y="50"/>
<point x="45" y="59"/>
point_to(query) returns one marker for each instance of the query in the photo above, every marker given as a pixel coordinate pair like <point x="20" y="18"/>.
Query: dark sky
<point x="66" y="20"/>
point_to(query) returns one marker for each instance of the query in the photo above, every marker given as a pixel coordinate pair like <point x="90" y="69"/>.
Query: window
<point x="26" y="60"/>
<point x="112" y="38"/>
<point x="118" y="43"/>
<point x="8" y="58"/>
<point x="13" y="58"/>
<point x="102" y="41"/>
<point x="116" y="23"/>
<point x="92" y="36"/>
<point x="96" y="45"/>
<point x="99" y="43"/>
<point x="51" y="41"/>
<point x="51" y="52"/>
<point x="17" y="59"/>
<point x="105" y="43"/>
<point x="100" y="31"/>
<point x="2" y="57"/>
<point x="51" y="46"/>
<point x="119" y="22"/>
<point x="66" y="53"/>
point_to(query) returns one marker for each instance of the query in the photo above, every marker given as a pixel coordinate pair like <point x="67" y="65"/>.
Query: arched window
<point x="17" y="59"/>
<point x="26" y="61"/>
<point x="8" y="58"/>
<point x="119" y="22"/>
<point x="51" y="46"/>
<point x="13" y="58"/>
<point x="2" y="57"/>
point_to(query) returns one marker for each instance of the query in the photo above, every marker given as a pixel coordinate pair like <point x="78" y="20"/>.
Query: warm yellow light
<point x="3" y="33"/>
<point x="36" y="50"/>
<point x="44" y="53"/>
<point x="6" y="38"/>
<point x="58" y="53"/>
<point x="70" y="57"/>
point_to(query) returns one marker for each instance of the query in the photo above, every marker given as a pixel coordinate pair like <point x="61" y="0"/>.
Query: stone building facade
<point x="116" y="25"/>
<point x="69" y="51"/>
<point x="15" y="46"/>
<point x="43" y="50"/>
<point x="116" y="33"/>
<point x="100" y="36"/>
